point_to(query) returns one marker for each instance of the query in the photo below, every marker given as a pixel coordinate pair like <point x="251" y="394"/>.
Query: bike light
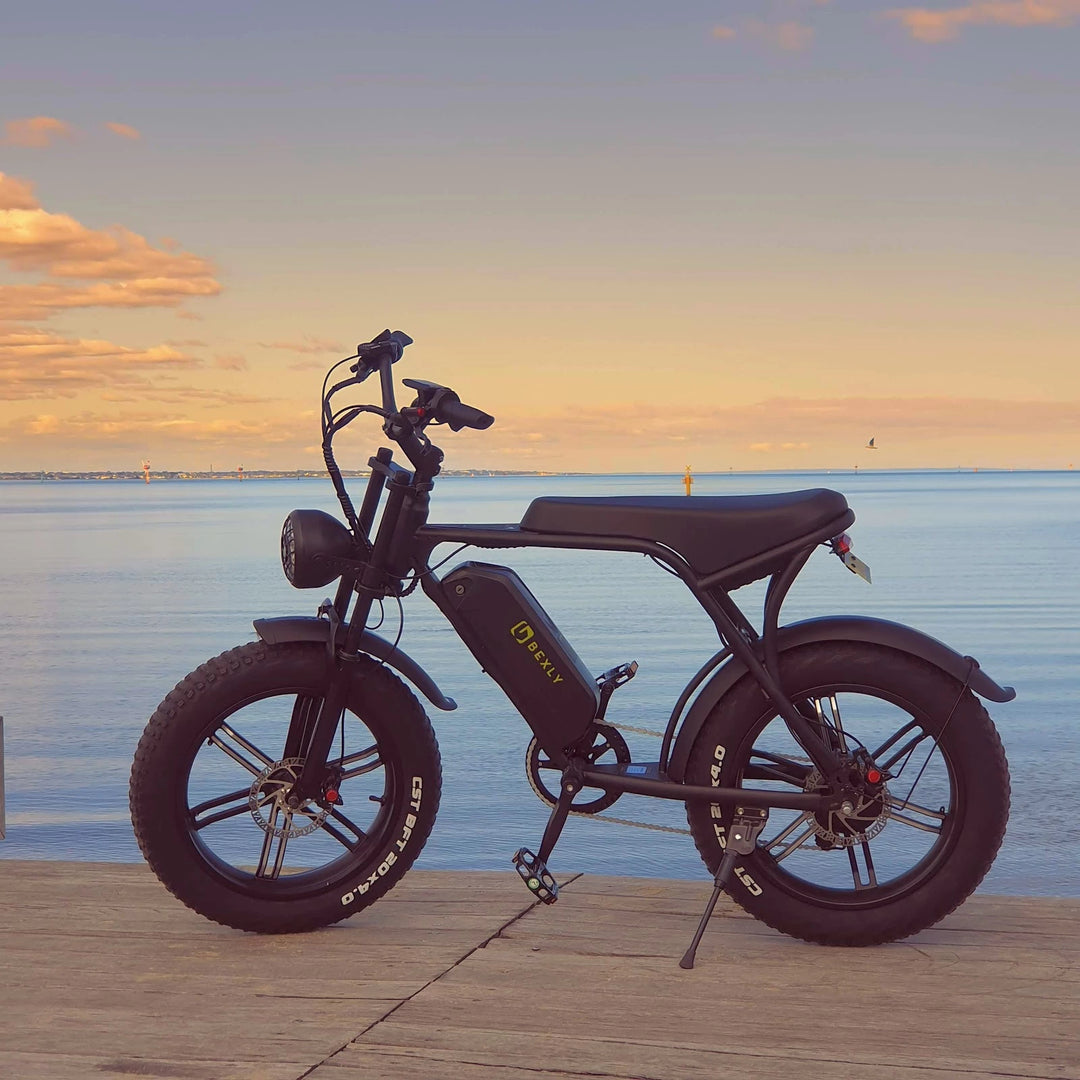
<point x="306" y="537"/>
<point x="841" y="544"/>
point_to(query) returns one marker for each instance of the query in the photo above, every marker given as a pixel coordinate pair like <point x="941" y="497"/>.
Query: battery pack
<point x="519" y="646"/>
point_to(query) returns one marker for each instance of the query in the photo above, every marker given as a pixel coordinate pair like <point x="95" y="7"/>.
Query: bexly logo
<point x="525" y="635"/>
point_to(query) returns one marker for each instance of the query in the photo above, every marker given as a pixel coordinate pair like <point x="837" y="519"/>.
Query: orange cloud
<point x="28" y="302"/>
<point x="196" y="394"/>
<point x="16" y="194"/>
<point x="309" y="344"/>
<point x="135" y="430"/>
<point x="789" y="36"/>
<point x="36" y="131"/>
<point x="723" y="33"/>
<point x="817" y="433"/>
<point x="125" y="131"/>
<point x="37" y="364"/>
<point x="936" y="25"/>
<point x="127" y="270"/>
<point x="231" y="363"/>
<point x="809" y="423"/>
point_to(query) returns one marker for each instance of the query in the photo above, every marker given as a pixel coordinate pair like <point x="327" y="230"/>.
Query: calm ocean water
<point x="112" y="591"/>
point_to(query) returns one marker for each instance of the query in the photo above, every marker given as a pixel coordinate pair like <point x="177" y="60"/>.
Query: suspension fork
<point x="368" y="589"/>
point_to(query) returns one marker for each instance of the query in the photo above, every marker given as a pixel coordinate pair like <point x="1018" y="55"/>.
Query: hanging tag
<point x="856" y="565"/>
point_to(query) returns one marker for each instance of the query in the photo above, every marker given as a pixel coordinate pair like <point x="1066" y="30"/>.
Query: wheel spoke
<point x="221" y="800"/>
<point x="352" y="759"/>
<point x="235" y="754"/>
<point x="838" y="723"/>
<point x="932" y="826"/>
<point x="786" y="769"/>
<point x="871" y="876"/>
<point x="337" y="834"/>
<point x="768" y="845"/>
<point x="268" y="844"/>
<point x="869" y="864"/>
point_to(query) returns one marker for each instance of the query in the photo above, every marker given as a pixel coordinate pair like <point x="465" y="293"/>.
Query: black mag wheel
<point x="913" y="846"/>
<point x="212" y="774"/>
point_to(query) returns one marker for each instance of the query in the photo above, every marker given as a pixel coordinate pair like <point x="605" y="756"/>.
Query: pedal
<point x="610" y="681"/>
<point x="616" y="676"/>
<point x="537" y="877"/>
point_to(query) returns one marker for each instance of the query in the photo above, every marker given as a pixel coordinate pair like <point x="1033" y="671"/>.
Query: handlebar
<point x="446" y="407"/>
<point x="434" y="403"/>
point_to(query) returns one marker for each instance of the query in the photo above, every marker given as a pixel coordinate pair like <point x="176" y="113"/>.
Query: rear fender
<point x="834" y="628"/>
<point x="310" y="628"/>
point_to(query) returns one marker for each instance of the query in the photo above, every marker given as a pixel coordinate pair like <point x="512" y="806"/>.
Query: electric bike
<point x="841" y="778"/>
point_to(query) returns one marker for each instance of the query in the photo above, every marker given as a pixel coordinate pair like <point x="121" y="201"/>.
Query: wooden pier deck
<point x="458" y="975"/>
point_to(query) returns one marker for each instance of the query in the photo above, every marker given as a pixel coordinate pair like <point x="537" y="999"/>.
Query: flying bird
<point x="870" y="445"/>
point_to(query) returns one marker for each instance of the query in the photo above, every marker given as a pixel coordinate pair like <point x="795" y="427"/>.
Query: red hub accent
<point x="873" y="775"/>
<point x="333" y="796"/>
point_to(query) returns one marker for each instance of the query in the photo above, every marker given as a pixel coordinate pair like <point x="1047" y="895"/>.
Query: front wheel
<point x="914" y="846"/>
<point x="213" y="771"/>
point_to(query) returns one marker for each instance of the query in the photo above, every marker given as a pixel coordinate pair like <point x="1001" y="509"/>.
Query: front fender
<point x="833" y="628"/>
<point x="310" y="628"/>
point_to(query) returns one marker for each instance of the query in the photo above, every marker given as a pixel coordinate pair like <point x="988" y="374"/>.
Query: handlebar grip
<point x="456" y="414"/>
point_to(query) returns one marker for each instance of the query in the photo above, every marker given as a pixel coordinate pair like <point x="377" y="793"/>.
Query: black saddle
<point x="735" y="533"/>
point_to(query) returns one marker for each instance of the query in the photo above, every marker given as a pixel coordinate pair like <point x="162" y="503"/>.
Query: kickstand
<point x="745" y="827"/>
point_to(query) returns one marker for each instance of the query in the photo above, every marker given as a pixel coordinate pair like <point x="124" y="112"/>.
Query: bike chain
<point x="627" y="821"/>
<point x="874" y="829"/>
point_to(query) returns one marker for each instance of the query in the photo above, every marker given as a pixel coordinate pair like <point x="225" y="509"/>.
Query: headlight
<point x="306" y="536"/>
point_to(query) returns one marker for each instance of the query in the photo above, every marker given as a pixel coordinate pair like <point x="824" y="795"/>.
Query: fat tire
<point x="194" y="709"/>
<point x="977" y="825"/>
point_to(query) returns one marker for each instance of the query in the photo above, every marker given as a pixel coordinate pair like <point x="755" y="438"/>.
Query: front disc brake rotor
<point x="267" y="801"/>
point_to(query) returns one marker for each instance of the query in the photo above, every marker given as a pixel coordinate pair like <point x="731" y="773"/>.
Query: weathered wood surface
<point x="456" y="975"/>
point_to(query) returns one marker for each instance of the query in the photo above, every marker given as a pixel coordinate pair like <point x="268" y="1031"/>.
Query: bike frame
<point x="403" y="531"/>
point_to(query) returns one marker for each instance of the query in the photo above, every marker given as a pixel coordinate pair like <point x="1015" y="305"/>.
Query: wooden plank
<point x="101" y="964"/>
<point x="105" y="974"/>
<point x="52" y="1066"/>
<point x="444" y="1055"/>
<point x="606" y="982"/>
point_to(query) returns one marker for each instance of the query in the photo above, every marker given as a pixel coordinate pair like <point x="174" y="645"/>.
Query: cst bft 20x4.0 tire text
<point x="211" y="775"/>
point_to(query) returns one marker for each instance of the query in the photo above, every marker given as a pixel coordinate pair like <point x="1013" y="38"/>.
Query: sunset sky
<point x="742" y="235"/>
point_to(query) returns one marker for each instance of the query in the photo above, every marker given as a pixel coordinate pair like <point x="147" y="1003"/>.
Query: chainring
<point x="606" y="740"/>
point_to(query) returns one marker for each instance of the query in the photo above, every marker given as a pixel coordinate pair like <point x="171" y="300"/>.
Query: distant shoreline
<point x="43" y="475"/>
<point x="253" y="474"/>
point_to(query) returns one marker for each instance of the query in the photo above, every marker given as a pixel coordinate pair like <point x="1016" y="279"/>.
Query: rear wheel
<point x="914" y="846"/>
<point x="214" y="768"/>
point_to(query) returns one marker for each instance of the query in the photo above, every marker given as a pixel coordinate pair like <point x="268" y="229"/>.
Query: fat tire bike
<point x="841" y="777"/>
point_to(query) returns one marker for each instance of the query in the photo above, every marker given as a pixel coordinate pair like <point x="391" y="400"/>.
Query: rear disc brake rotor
<point x="835" y="829"/>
